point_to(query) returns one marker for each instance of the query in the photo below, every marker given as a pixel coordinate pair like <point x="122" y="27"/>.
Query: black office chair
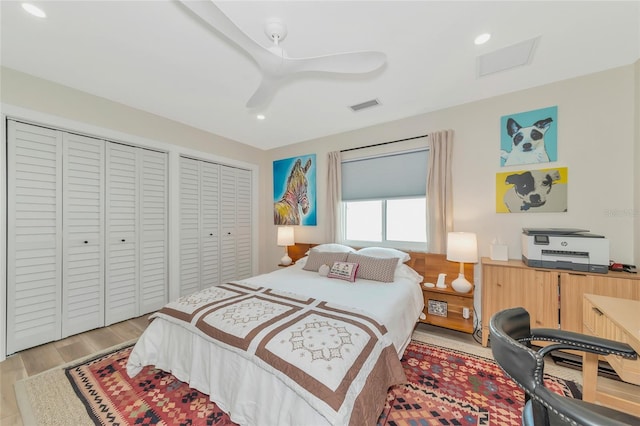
<point x="511" y="337"/>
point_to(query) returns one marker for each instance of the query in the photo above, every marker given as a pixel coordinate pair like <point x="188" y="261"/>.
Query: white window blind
<point x="382" y="177"/>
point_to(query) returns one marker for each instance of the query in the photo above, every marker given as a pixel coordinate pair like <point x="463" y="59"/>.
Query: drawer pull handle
<point x="597" y="311"/>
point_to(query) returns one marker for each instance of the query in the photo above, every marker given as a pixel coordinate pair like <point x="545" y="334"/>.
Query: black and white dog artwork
<point x="527" y="143"/>
<point x="536" y="190"/>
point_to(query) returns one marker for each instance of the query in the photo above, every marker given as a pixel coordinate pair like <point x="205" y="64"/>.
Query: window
<point x="384" y="200"/>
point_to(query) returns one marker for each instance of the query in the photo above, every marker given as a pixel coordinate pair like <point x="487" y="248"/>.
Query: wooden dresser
<point x="553" y="297"/>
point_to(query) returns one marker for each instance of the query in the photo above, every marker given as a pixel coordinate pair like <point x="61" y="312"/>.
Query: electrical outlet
<point x="465" y="313"/>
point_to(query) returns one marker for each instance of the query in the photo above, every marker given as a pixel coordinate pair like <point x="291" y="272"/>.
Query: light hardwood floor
<point x="45" y="357"/>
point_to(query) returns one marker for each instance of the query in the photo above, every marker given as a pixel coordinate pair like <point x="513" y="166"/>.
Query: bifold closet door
<point x="235" y="217"/>
<point x="83" y="234"/>
<point x="121" y="278"/>
<point x="199" y="225"/>
<point x="34" y="235"/>
<point x="210" y="230"/>
<point x="189" y="226"/>
<point x="153" y="231"/>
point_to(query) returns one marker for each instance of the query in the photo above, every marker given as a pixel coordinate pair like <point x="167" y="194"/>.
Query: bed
<point x="324" y="352"/>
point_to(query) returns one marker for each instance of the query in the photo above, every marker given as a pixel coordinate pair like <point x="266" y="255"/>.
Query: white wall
<point x="597" y="120"/>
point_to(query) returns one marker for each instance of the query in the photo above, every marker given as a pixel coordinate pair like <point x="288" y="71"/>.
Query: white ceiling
<point x="155" y="56"/>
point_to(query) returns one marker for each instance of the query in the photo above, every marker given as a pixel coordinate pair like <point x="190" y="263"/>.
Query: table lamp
<point x="462" y="247"/>
<point x="285" y="238"/>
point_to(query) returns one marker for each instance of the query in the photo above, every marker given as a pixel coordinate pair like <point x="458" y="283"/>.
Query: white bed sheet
<point x="249" y="394"/>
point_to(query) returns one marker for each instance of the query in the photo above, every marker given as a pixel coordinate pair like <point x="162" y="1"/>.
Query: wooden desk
<point x="616" y="319"/>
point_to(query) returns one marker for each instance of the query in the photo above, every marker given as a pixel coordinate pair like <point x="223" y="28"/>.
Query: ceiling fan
<point x="274" y="62"/>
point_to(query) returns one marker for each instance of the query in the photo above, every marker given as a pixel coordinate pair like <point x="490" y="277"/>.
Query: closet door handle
<point x="211" y="235"/>
<point x="86" y="242"/>
<point x="122" y="240"/>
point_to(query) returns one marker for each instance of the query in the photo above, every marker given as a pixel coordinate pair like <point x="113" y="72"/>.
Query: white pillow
<point x="404" y="271"/>
<point x="384" y="252"/>
<point x="333" y="248"/>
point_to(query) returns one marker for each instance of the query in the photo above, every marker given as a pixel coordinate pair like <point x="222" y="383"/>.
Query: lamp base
<point x="286" y="260"/>
<point x="461" y="285"/>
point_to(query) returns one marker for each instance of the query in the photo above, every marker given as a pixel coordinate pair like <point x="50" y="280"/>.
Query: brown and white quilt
<point x="341" y="362"/>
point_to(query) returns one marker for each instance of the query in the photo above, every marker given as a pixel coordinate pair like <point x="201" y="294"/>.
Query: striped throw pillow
<point x="318" y="258"/>
<point x="374" y="268"/>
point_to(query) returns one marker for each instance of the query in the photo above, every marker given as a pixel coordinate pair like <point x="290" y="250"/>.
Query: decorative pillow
<point x="324" y="270"/>
<point x="385" y="252"/>
<point x="318" y="258"/>
<point x="333" y="248"/>
<point x="343" y="271"/>
<point x="404" y="271"/>
<point x="375" y="268"/>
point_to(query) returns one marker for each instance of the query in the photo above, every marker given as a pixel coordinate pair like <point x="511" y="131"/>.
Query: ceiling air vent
<point x="506" y="58"/>
<point x="364" y="105"/>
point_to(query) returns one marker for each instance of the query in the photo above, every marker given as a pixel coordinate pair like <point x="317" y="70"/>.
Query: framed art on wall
<point x="294" y="191"/>
<point x="529" y="137"/>
<point x="532" y="191"/>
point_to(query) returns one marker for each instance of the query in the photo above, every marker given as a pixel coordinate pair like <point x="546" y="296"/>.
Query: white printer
<point x="565" y="248"/>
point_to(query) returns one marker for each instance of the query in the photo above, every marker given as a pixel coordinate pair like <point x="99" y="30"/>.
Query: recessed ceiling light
<point x="34" y="10"/>
<point x="260" y="117"/>
<point x="482" y="38"/>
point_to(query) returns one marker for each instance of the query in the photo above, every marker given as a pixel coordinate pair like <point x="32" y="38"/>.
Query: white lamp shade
<point x="285" y="236"/>
<point x="462" y="247"/>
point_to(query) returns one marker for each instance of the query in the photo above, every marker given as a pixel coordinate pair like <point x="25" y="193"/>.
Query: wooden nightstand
<point x="446" y="307"/>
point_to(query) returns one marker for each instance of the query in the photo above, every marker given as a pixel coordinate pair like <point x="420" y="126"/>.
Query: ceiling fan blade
<point x="264" y="93"/>
<point x="349" y="63"/>
<point x="213" y="16"/>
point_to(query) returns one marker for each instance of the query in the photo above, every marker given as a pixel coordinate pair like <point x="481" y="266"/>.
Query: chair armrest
<point x="583" y="342"/>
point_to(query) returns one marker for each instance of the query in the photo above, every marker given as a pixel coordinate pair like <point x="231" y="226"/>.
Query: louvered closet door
<point x="121" y="285"/>
<point x="153" y="227"/>
<point x="189" y="226"/>
<point x="34" y="235"/>
<point x="235" y="216"/>
<point x="243" y="224"/>
<point x="83" y="234"/>
<point x="210" y="230"/>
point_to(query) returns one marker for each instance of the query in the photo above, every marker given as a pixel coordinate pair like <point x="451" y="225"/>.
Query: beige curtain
<point x="439" y="192"/>
<point x="334" y="197"/>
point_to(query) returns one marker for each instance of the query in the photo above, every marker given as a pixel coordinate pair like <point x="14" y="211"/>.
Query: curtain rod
<point x="383" y="143"/>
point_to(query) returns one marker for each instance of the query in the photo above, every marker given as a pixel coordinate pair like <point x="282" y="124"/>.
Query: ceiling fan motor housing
<point x="276" y="31"/>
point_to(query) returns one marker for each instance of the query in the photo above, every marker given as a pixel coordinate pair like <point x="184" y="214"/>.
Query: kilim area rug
<point x="445" y="387"/>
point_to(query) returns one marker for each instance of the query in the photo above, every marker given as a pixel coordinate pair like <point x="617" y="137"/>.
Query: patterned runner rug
<point x="445" y="387"/>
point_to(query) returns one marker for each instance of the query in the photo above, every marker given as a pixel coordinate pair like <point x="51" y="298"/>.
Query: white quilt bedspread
<point x="247" y="391"/>
<point x="397" y="305"/>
